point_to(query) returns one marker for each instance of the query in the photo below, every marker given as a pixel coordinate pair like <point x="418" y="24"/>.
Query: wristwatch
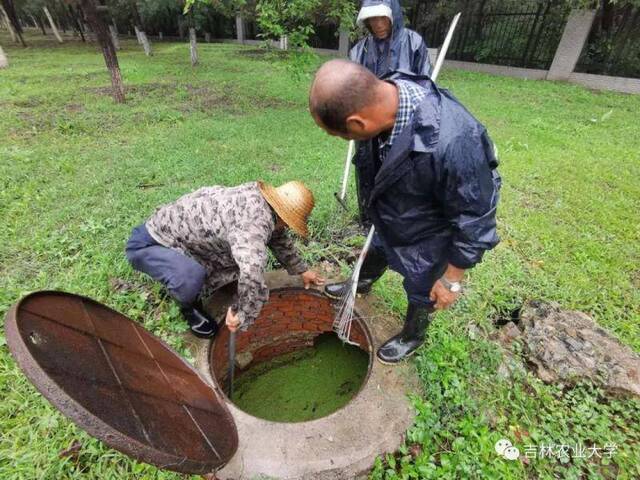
<point x="453" y="287"/>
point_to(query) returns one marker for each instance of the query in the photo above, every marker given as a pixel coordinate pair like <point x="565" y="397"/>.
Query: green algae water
<point x="303" y="386"/>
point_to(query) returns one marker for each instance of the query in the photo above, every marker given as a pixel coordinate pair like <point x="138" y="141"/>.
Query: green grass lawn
<point x="77" y="172"/>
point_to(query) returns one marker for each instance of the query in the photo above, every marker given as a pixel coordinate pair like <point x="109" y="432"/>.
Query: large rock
<point x="568" y="346"/>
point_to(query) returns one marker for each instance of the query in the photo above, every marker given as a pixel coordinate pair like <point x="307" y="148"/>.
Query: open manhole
<point x="127" y="388"/>
<point x="290" y="366"/>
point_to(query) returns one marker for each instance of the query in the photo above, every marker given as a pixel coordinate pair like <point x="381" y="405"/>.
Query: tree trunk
<point x="160" y="35"/>
<point x="40" y="24"/>
<point x="146" y="44"/>
<point x="99" y="28"/>
<point x="608" y="14"/>
<point x="207" y="37"/>
<point x="4" y="19"/>
<point x="53" y="24"/>
<point x="76" y="22"/>
<point x="180" y="27"/>
<point x="137" y="30"/>
<point x="4" y="63"/>
<point x="622" y="39"/>
<point x="114" y="36"/>
<point x="12" y="20"/>
<point x="193" y="47"/>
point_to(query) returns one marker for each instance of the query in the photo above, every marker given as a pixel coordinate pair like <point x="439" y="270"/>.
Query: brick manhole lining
<point x="289" y="322"/>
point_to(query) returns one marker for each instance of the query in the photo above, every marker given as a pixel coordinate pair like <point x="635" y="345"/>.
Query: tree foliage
<point x="296" y="19"/>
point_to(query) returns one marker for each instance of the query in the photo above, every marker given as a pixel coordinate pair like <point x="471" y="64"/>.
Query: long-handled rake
<point x="344" y="317"/>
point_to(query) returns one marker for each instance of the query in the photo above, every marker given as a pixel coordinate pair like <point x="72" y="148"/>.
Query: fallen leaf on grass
<point x="71" y="452"/>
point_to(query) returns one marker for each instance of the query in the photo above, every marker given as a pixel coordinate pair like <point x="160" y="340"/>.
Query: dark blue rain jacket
<point x="405" y="50"/>
<point x="433" y="200"/>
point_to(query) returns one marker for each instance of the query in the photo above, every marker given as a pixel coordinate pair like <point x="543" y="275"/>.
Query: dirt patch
<point x="199" y="98"/>
<point x="74" y="108"/>
<point x="263" y="54"/>
<point x="30" y="102"/>
<point x="137" y="90"/>
<point x="206" y="98"/>
<point x="272" y="102"/>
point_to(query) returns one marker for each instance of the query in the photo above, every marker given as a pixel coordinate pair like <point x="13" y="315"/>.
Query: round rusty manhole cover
<point x="120" y="383"/>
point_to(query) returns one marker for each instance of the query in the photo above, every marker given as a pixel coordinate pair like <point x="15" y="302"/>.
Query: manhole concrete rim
<point x="343" y="444"/>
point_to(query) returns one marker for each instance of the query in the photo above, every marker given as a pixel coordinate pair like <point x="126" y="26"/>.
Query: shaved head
<point x="340" y="89"/>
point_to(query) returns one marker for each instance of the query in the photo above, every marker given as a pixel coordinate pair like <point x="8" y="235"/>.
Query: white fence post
<point x="571" y="44"/>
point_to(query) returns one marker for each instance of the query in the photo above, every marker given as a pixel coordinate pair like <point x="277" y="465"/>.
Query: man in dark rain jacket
<point x="435" y="187"/>
<point x="389" y="47"/>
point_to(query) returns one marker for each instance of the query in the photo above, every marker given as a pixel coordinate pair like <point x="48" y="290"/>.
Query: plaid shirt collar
<point x="409" y="96"/>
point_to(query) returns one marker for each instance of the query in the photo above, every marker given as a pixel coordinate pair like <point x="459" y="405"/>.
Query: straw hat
<point x="293" y="203"/>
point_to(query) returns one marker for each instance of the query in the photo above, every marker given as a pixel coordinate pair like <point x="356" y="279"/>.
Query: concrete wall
<point x="497" y="69"/>
<point x="604" y="82"/>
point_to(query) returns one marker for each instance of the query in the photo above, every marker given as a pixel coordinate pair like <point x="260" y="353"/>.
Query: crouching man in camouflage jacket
<point x="217" y="235"/>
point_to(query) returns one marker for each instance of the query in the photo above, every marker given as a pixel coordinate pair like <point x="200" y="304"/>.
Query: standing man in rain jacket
<point x="435" y="192"/>
<point x="389" y="47"/>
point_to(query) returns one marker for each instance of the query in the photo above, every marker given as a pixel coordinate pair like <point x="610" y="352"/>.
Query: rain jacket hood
<point x="433" y="200"/>
<point x="404" y="50"/>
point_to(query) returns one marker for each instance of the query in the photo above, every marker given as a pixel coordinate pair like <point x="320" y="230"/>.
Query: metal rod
<point x="347" y="166"/>
<point x="345" y="176"/>
<point x="445" y="46"/>
<point x="232" y="363"/>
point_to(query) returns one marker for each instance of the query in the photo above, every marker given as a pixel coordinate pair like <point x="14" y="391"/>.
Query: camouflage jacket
<point x="227" y="230"/>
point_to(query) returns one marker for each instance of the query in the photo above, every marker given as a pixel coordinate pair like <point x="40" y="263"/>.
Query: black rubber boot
<point x="401" y="346"/>
<point x="200" y="323"/>
<point x="374" y="266"/>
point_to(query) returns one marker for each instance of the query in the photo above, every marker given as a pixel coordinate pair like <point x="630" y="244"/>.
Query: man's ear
<point x="356" y="124"/>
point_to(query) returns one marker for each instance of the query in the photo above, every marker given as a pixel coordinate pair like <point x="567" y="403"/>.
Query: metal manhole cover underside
<point x="120" y="383"/>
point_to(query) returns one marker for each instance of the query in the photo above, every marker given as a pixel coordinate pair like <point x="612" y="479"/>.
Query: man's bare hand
<point x="312" y="278"/>
<point x="232" y="320"/>
<point x="443" y="297"/>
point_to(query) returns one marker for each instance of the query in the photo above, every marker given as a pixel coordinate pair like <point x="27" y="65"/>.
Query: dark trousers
<point x="381" y="256"/>
<point x="182" y="276"/>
